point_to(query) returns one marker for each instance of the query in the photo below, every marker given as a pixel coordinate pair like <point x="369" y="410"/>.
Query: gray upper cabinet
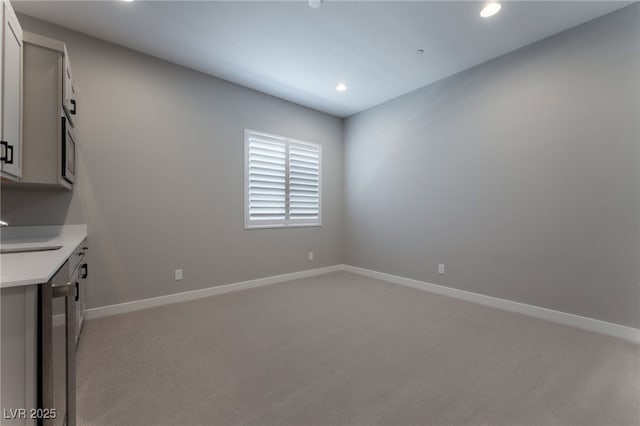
<point x="70" y="97"/>
<point x="49" y="115"/>
<point x="12" y="83"/>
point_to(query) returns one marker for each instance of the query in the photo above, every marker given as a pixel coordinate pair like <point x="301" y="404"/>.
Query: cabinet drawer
<point x="77" y="257"/>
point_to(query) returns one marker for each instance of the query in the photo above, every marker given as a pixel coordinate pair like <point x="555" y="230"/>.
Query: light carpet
<point x="342" y="349"/>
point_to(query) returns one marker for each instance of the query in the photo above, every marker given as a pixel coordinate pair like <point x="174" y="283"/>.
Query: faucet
<point x="3" y="224"/>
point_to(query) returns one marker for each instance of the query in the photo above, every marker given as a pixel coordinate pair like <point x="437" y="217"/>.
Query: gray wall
<point x="521" y="175"/>
<point x="160" y="180"/>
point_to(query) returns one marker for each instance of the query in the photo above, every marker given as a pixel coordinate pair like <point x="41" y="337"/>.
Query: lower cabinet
<point x="80" y="296"/>
<point x="79" y="269"/>
<point x="19" y="355"/>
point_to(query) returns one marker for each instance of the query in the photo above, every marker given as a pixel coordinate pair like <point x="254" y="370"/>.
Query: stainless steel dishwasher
<point x="57" y="342"/>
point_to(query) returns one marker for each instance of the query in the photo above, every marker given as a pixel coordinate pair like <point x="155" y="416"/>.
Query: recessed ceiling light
<point x="341" y="87"/>
<point x="490" y="9"/>
<point x="128" y="1"/>
<point x="315" y="3"/>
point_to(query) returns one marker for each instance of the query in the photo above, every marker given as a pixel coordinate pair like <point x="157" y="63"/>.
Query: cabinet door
<point x="80" y="296"/>
<point x="2" y="149"/>
<point x="11" y="94"/>
<point x="78" y="305"/>
<point x="19" y="353"/>
<point x="69" y="101"/>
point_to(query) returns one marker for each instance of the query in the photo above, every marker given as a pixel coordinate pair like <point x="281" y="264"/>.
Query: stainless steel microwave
<point x="68" y="151"/>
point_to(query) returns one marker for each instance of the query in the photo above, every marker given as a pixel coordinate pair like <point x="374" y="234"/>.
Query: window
<point x="282" y="181"/>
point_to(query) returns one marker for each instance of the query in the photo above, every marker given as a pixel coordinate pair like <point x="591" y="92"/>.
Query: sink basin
<point x="28" y="249"/>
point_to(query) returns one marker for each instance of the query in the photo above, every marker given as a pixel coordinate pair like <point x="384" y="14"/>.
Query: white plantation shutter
<point x="282" y="181"/>
<point x="304" y="182"/>
<point x="266" y="179"/>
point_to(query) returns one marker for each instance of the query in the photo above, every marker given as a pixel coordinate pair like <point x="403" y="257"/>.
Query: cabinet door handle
<point x="77" y="291"/>
<point x="9" y="159"/>
<point x="5" y="144"/>
<point x="86" y="270"/>
<point x="73" y="111"/>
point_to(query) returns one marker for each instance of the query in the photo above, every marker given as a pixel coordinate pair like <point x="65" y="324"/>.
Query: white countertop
<point x="19" y="269"/>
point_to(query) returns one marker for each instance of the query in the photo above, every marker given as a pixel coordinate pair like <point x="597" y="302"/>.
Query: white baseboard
<point x="602" y="327"/>
<point x="577" y="321"/>
<point x="121" y="308"/>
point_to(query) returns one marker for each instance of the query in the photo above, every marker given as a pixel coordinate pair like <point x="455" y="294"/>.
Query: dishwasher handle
<point x="61" y="290"/>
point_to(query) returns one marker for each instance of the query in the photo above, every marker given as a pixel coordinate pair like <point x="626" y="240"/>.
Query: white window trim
<point x="285" y="223"/>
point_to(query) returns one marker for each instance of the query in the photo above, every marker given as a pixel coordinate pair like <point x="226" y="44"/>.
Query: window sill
<point x="296" y="225"/>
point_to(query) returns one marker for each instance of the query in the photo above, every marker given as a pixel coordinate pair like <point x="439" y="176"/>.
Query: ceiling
<point x="292" y="51"/>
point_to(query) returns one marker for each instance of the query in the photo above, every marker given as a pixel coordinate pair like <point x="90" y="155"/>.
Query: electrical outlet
<point x="310" y="256"/>
<point x="178" y="274"/>
<point x="441" y="268"/>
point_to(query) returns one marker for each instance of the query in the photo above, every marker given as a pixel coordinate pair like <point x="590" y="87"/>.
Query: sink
<point x="28" y="249"/>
